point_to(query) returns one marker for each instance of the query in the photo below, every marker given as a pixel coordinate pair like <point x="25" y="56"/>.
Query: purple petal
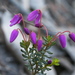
<point x="14" y="35"/>
<point x="50" y="61"/>
<point x="33" y="37"/>
<point x="38" y="18"/>
<point x="16" y="19"/>
<point x="72" y="36"/>
<point x="62" y="39"/>
<point x="27" y="31"/>
<point x="32" y="15"/>
<point x="20" y="19"/>
<point x="39" y="44"/>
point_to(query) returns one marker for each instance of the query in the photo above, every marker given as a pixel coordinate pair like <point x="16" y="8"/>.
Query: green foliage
<point x="49" y="40"/>
<point x="49" y="52"/>
<point x="24" y="44"/>
<point x="37" y="61"/>
<point x="55" y="62"/>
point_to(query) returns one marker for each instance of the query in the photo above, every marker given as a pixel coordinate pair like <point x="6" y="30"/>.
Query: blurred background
<point x="58" y="15"/>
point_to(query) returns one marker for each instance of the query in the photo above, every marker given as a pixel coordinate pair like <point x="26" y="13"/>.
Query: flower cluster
<point x="40" y="44"/>
<point x="33" y="16"/>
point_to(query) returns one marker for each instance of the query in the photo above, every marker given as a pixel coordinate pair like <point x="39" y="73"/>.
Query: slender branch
<point x="22" y="34"/>
<point x="29" y="23"/>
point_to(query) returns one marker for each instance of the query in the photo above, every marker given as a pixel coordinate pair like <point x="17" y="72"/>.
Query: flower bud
<point x="16" y="19"/>
<point x="33" y="37"/>
<point x="39" y="44"/>
<point x="38" y="25"/>
<point x="50" y="61"/>
<point x="62" y="39"/>
<point x="72" y="36"/>
<point x="13" y="35"/>
<point x="27" y="31"/>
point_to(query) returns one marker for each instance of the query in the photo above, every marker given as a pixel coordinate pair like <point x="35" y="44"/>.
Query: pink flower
<point x="39" y="44"/>
<point x="27" y="31"/>
<point x="62" y="39"/>
<point x="16" y="19"/>
<point x="13" y="35"/>
<point x="33" y="37"/>
<point x="35" y="16"/>
<point x="72" y="36"/>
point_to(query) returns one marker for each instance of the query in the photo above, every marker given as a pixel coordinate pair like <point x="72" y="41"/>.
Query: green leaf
<point x="38" y="54"/>
<point x="53" y="43"/>
<point x="25" y="59"/>
<point x="23" y="51"/>
<point x="25" y="56"/>
<point x="55" y="61"/>
<point x="49" y="52"/>
<point x="48" y="47"/>
<point x="49" y="38"/>
<point x="28" y="66"/>
<point x="35" y="59"/>
<point x="32" y="56"/>
<point x="31" y="50"/>
<point x="44" y="62"/>
<point x="25" y="44"/>
<point x="48" y="69"/>
<point x="56" y="64"/>
<point x="44" y="38"/>
<point x="47" y="56"/>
